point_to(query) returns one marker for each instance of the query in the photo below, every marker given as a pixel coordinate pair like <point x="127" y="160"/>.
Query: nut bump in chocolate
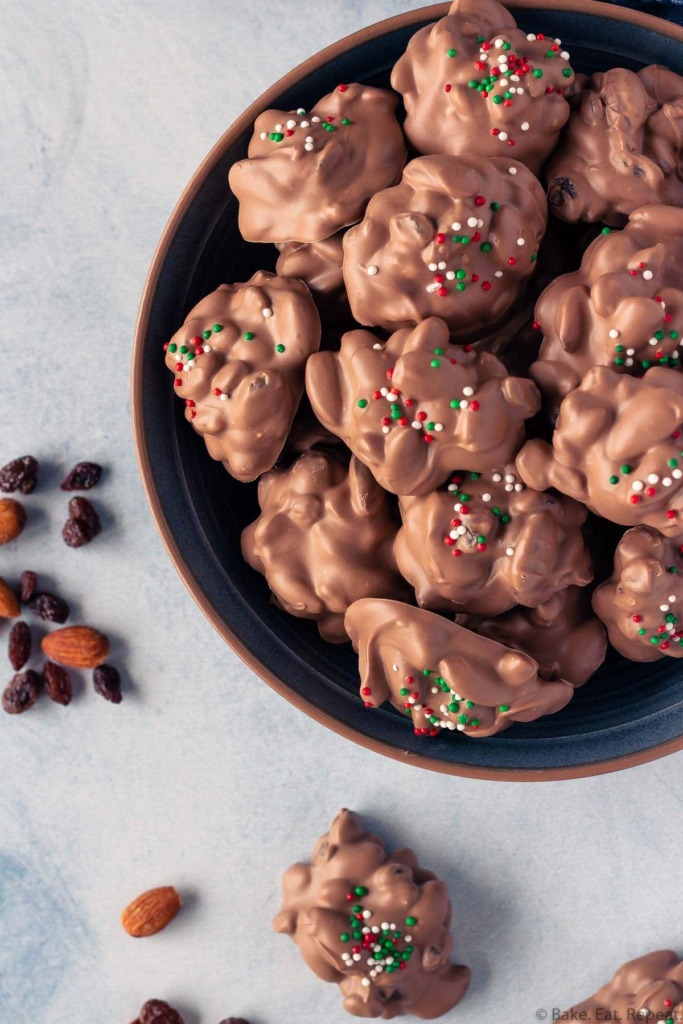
<point x="415" y="406"/>
<point x="444" y="677"/>
<point x="239" y="366"/>
<point x="374" y="923"/>
<point x="457" y="238"/>
<point x="310" y="173"/>
<point x="649" y="988"/>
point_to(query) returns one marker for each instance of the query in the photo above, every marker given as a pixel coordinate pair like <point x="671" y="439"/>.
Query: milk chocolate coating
<point x="413" y="407"/>
<point x="443" y="676"/>
<point x="562" y="635"/>
<point x="640" y="604"/>
<point x="319" y="266"/>
<point x="621" y="148"/>
<point x="489" y="543"/>
<point x="475" y="83"/>
<point x="309" y="174"/>
<point x="375" y="923"/>
<point x="324" y="539"/>
<point x="241" y="393"/>
<point x="617" y="447"/>
<point x="457" y="239"/>
<point x="649" y="988"/>
<point x="623" y="308"/>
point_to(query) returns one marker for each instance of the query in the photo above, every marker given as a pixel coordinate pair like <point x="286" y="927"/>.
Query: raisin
<point x="22" y="692"/>
<point x="82" y="477"/>
<point x="29" y="582"/>
<point x="107" y="682"/>
<point x="57" y="683"/>
<point x="156" y="1011"/>
<point x="19" y="645"/>
<point x="19" y="475"/>
<point x="234" y="1020"/>
<point x="50" y="608"/>
<point x="83" y="523"/>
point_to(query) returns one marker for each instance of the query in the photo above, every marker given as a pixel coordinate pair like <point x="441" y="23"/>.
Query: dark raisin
<point x="156" y="1011"/>
<point x="559" y="189"/>
<point x="19" y="475"/>
<point x="75" y="534"/>
<point x="50" y="608"/>
<point x="29" y="582"/>
<point x="19" y="648"/>
<point x="82" y="477"/>
<point x="234" y="1020"/>
<point x="83" y="523"/>
<point x="57" y="683"/>
<point x="107" y="682"/>
<point x="22" y="692"/>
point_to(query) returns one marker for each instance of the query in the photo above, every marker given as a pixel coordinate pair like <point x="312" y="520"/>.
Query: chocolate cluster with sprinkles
<point x="239" y="361"/>
<point x="373" y="922"/>
<point x="458" y="238"/>
<point x="309" y="173"/>
<point x="623" y="308"/>
<point x="475" y="83"/>
<point x="649" y="988"/>
<point x="642" y="603"/>
<point x="445" y="678"/>
<point x="487" y="543"/>
<point x="414" y="406"/>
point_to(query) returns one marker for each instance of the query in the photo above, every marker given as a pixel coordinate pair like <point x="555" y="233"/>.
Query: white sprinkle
<point x="498" y="273"/>
<point x="672" y="599"/>
<point x="384" y="392"/>
<point x="667" y="481"/>
<point x="468" y="391"/>
<point x="207" y="348"/>
<point x="496" y="477"/>
<point x="471" y="222"/>
<point x="509" y="487"/>
<point x="464" y="404"/>
<point x="456" y="225"/>
<point x="395" y="669"/>
<point x="628" y="362"/>
<point x="503" y="81"/>
<point x="365" y="931"/>
<point x="315" y="120"/>
<point x="677" y="474"/>
<point x="652" y="341"/>
<point x="365" y="981"/>
<point x="435" y="689"/>
<point x="637" y="485"/>
<point x="515" y="78"/>
<point x="531" y="36"/>
<point x="630" y="351"/>
<point x="278" y="127"/>
<point x="224" y="397"/>
<point x="462" y="530"/>
<point x="375" y="929"/>
<point x="385" y="430"/>
<point x="652" y="478"/>
<point x="664" y="607"/>
<point x="520" y="241"/>
<point x="356" y="957"/>
<point x="498" y="42"/>
<point x="442" y="265"/>
<point x="524" y="126"/>
<point x="510" y="478"/>
<point x="520" y="90"/>
<point x="291" y="123"/>
<point x="647" y="275"/>
<point x="416" y="425"/>
<point x="450" y="275"/>
<point x="675" y="353"/>
<point x="300" y="111"/>
<point x="309" y="138"/>
<point x="378" y="346"/>
<point x="431" y="266"/>
<point x="519" y="487"/>
<point x="502" y="136"/>
<point x="305" y="124"/>
<point x="509" y="551"/>
<point x="432" y="287"/>
<point x="460" y="727"/>
<point x="480" y="223"/>
<point x="187" y="367"/>
<point x="416" y="707"/>
<point x="308" y="146"/>
<point x="264" y="135"/>
<point x="454" y="534"/>
<point x="372" y="270"/>
<point x="486" y="497"/>
<point x="513" y="88"/>
<point x="512" y="170"/>
<point x="438" y="427"/>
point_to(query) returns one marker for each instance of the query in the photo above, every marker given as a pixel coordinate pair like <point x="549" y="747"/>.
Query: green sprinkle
<point x="626" y="469"/>
<point x="533" y="257"/>
<point x="435" y="363"/>
<point x="618" y="348"/>
<point x="672" y="569"/>
<point x="206" y="335"/>
<point x="503" y="707"/>
<point x="505" y="519"/>
<point x="362" y="402"/>
<point x="475" y="721"/>
<point x="190" y="355"/>
<point x="248" y="335"/>
<point x="460" y="274"/>
<point x="481" y="539"/>
<point x="497" y="99"/>
<point x="453" y="706"/>
<point x="495" y="206"/>
<point x="279" y="348"/>
<point x="460" y="286"/>
<point x="217" y="328"/>
<point x="605" y="231"/>
<point x="438" y="351"/>
<point x="346" y="120"/>
<point x="673" y="463"/>
<point x="455" y="238"/>
<point x="451" y="52"/>
<point x="183" y="349"/>
<point x="469" y="703"/>
<point x="430" y="426"/>
<point x="654" y="639"/>
<point x="344" y="936"/>
<point x="619" y="361"/>
<point x="172" y="347"/>
<point x="495" y="510"/>
<point x="641" y="631"/>
<point x="455" y="403"/>
<point x="670" y="617"/>
<point x="567" y="72"/>
<point x="645" y="363"/>
<point x="659" y="335"/>
<point x="473" y="83"/>
<point x="404" y="691"/>
<point x="538" y="73"/>
<point x="276" y="136"/>
<point x="673" y="335"/>
<point x="357" y="908"/>
<point x="410" y="921"/>
<point x="614" y="479"/>
<point x="462" y="719"/>
<point x="426" y="671"/>
<point x="507" y="46"/>
<point x="360" y="890"/>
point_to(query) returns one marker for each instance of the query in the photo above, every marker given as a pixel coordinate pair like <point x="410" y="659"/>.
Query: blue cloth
<point x="672" y="10"/>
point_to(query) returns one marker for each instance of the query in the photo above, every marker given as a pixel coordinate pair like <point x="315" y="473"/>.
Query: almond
<point x="76" y="647"/>
<point x="9" y="606"/>
<point x="12" y="519"/>
<point x="151" y="911"/>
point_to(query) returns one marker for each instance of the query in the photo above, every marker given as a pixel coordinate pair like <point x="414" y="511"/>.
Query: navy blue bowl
<point x="627" y="714"/>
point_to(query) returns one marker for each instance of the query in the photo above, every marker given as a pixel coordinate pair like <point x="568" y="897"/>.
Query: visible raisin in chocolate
<point x="156" y="1011"/>
<point x="19" y="475"/>
<point x="559" y="189"/>
<point x="107" y="682"/>
<point x="83" y="523"/>
<point x="29" y="582"/>
<point x="22" y="692"/>
<point x="50" y="608"/>
<point x="19" y="647"/>
<point x="57" y="683"/>
<point x="82" y="477"/>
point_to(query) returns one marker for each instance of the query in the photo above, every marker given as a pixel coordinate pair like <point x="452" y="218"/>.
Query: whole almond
<point x="9" y="606"/>
<point x="76" y="647"/>
<point x="12" y="519"/>
<point x="151" y="911"/>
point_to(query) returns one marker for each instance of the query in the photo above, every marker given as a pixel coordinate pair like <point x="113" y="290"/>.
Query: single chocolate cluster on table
<point x="621" y="148"/>
<point x="623" y="308"/>
<point x="475" y="83"/>
<point x="415" y="406"/>
<point x="457" y="239"/>
<point x="488" y="543"/>
<point x="562" y="635"/>
<point x="649" y="988"/>
<point x="324" y="539"/>
<point x="374" y="923"/>
<point x="239" y="363"/>
<point x="444" y="677"/>
<point x="639" y="604"/>
<point x="618" y="448"/>
<point x="310" y="173"/>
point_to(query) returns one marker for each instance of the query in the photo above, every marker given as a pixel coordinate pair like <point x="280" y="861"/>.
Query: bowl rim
<point x="186" y="573"/>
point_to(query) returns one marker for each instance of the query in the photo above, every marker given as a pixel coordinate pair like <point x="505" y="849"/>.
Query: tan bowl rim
<point x="266" y="100"/>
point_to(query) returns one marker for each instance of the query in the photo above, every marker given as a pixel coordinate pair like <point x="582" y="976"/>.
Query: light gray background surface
<point x="203" y="777"/>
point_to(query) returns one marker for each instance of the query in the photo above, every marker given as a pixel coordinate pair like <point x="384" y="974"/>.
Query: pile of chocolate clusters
<point x="465" y="368"/>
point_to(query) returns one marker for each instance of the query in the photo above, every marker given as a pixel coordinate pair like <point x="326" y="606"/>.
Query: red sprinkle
<point x="474" y="406"/>
<point x="634" y="499"/>
<point x="428" y="438"/>
<point x="495" y="131"/>
<point x="288" y="133"/>
<point x="486" y="285"/>
<point x="439" y="238"/>
<point x="475" y="277"/>
<point x="511" y="261"/>
<point x="456" y="553"/>
<point x="342" y="88"/>
<point x="178" y="382"/>
<point x="166" y="346"/>
<point x="448" y="541"/>
<point x="536" y="326"/>
<point x="671" y="514"/>
<point x="443" y="292"/>
<point x="366" y="691"/>
<point x="386" y="422"/>
<point x="479" y="200"/>
<point x="217" y="391"/>
<point x="650" y="492"/>
<point x="447" y="87"/>
<point x="390" y="373"/>
<point x="421" y="416"/>
<point x="439" y="278"/>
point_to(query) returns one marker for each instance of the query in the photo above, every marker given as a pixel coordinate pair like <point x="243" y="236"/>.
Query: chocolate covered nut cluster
<point x="488" y="543"/>
<point x="475" y="83"/>
<point x="415" y="406"/>
<point x="642" y="602"/>
<point x="444" y="677"/>
<point x="324" y="539"/>
<point x="319" y="266"/>
<point x="239" y="363"/>
<point x="649" y="988"/>
<point x="623" y="308"/>
<point x="310" y="173"/>
<point x="621" y="147"/>
<point x="374" y="923"/>
<point x="457" y="238"/>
